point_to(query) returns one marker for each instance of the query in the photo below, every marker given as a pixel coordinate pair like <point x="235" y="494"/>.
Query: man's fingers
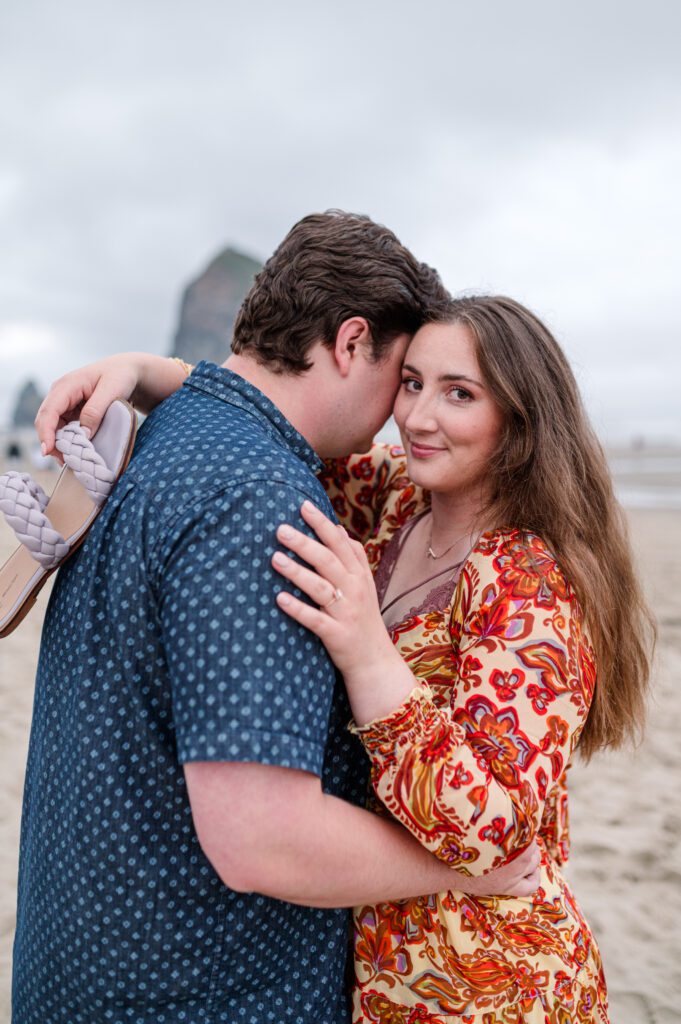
<point x="526" y="877"/>
<point x="533" y="879"/>
<point x="531" y="871"/>
<point x="527" y="886"/>
<point x="527" y="860"/>
<point x="523" y="885"/>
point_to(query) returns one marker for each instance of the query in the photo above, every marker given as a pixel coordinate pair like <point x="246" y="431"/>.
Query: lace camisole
<point x="422" y="597"/>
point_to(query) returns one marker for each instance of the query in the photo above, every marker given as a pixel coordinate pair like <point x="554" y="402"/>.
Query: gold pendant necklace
<point x="429" y="546"/>
<point x="431" y="553"/>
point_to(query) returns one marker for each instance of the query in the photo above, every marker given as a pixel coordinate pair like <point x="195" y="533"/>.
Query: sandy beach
<point x="625" y="806"/>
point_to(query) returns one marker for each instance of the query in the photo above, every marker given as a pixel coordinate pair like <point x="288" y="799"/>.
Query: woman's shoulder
<point x="515" y="605"/>
<point x="518" y="564"/>
<point x="365" y="466"/>
<point x="371" y="493"/>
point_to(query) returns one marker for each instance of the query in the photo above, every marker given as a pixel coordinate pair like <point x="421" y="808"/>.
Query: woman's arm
<point x="86" y="393"/>
<point x="369" y="489"/>
<point x="469" y="782"/>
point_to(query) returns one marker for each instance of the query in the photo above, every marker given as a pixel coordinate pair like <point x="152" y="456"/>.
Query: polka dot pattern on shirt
<point x="163" y="645"/>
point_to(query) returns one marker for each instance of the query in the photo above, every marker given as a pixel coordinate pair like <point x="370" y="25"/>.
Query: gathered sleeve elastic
<point x="371" y="489"/>
<point x="470" y="777"/>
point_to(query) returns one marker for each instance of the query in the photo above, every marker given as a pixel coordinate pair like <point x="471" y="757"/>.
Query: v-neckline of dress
<point x="436" y="599"/>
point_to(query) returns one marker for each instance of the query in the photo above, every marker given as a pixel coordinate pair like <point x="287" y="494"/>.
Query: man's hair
<point x="330" y="267"/>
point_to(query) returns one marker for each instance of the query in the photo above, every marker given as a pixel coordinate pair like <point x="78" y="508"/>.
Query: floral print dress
<point x="474" y="765"/>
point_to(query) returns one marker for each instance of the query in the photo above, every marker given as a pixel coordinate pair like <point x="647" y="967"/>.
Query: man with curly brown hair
<point x="192" y="822"/>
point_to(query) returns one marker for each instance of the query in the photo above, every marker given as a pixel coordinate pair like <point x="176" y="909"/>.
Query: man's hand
<point x="519" y="877"/>
<point x="272" y="830"/>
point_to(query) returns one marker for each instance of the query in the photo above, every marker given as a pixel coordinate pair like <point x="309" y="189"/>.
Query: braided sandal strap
<point x="85" y="462"/>
<point x="33" y="486"/>
<point x="22" y="502"/>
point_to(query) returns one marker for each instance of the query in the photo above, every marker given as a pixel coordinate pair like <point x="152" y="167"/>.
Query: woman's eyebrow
<point x="444" y="376"/>
<point x="460" y="376"/>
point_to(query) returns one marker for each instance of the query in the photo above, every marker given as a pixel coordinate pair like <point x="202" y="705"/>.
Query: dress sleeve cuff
<point x="187" y="367"/>
<point x="407" y="722"/>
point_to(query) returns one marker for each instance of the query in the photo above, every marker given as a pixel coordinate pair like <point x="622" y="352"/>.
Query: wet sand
<point x="626" y="811"/>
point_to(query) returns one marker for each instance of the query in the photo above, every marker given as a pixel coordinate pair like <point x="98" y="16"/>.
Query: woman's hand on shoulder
<point x="86" y="393"/>
<point x="345" y="616"/>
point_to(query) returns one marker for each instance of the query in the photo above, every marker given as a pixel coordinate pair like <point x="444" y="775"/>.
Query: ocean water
<point x="632" y="496"/>
<point x="647" y="479"/>
<point x="643" y="478"/>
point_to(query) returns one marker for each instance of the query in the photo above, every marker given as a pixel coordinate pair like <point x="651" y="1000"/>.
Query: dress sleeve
<point x="187" y="367"/>
<point x="369" y="489"/>
<point x="471" y="780"/>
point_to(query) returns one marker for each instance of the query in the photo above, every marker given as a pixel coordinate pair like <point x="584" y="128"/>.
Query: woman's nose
<point x="421" y="416"/>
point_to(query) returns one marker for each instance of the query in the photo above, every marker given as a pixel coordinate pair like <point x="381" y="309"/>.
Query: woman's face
<point x="449" y="422"/>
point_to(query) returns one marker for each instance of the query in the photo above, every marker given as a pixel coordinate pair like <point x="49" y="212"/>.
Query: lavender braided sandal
<point x="49" y="529"/>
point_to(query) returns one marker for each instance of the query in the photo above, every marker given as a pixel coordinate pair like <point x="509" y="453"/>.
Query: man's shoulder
<point x="207" y="469"/>
<point x="190" y="453"/>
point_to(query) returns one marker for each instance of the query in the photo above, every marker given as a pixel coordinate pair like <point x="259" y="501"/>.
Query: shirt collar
<point x="224" y="384"/>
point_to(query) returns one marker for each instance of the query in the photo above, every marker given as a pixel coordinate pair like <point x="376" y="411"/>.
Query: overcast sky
<point x="526" y="148"/>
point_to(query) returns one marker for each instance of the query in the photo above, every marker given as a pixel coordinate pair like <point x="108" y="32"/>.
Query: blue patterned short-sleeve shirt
<point x="163" y="645"/>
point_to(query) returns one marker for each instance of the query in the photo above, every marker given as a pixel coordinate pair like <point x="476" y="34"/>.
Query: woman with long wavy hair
<point x="503" y="573"/>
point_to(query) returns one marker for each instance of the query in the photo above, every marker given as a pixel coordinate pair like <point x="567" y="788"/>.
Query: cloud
<point x="25" y="342"/>
<point x="523" y="149"/>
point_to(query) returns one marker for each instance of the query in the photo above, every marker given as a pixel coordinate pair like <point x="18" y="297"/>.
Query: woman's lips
<point x="423" y="451"/>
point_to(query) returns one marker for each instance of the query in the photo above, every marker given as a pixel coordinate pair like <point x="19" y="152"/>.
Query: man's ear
<point x="353" y="336"/>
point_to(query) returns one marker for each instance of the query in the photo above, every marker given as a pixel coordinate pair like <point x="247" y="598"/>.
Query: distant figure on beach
<point x="192" y="827"/>
<point x="485" y="617"/>
<point x="13" y="452"/>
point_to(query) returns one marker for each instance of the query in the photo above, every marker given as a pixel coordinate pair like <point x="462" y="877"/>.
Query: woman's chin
<point x="422" y="475"/>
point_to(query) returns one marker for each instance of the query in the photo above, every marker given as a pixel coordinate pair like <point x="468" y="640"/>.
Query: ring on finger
<point x="337" y="595"/>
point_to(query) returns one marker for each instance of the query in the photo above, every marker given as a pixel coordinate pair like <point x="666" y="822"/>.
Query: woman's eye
<point x="411" y="384"/>
<point x="461" y="395"/>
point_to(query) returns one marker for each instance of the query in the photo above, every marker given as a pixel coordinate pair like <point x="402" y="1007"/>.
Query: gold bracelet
<point x="187" y="367"/>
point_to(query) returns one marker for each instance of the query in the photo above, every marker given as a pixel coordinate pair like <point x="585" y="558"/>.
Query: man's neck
<point x="292" y="394"/>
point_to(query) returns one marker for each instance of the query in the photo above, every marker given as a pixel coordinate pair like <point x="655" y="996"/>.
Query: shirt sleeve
<point x="366" y="490"/>
<point x="471" y="780"/>
<point x="248" y="683"/>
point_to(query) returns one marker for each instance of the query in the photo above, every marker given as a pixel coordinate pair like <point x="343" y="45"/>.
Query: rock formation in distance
<point x="209" y="307"/>
<point x="27" y="405"/>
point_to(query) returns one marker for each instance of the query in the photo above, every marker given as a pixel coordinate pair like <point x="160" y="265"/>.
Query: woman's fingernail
<point x="279" y="559"/>
<point x="43" y="448"/>
<point x="285" y="531"/>
<point x="283" y="598"/>
<point x="87" y="432"/>
<point x="308" y="506"/>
